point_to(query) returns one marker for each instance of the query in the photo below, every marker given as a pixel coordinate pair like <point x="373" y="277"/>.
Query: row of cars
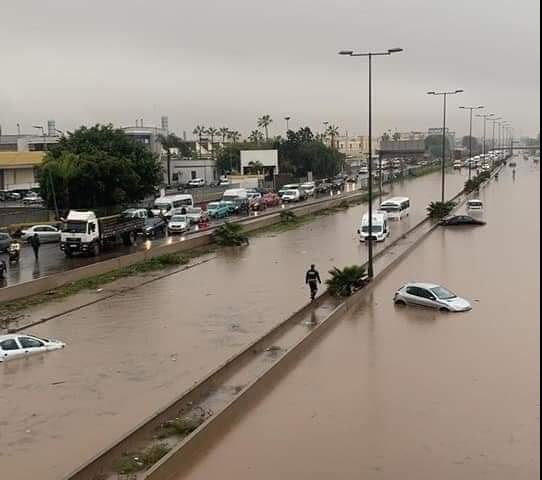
<point x="28" y="198"/>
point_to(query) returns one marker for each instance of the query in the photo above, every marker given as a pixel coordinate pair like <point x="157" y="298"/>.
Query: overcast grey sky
<point x="225" y="62"/>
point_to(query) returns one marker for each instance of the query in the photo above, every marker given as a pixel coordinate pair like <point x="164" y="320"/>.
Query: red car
<point x="271" y="199"/>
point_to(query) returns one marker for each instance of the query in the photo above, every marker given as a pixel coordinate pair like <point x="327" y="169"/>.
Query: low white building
<point x="266" y="160"/>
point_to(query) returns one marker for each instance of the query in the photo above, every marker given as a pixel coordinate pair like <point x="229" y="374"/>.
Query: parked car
<point x="224" y="183"/>
<point x="461" y="220"/>
<point x="20" y="345"/>
<point x="486" y="167"/>
<point x="219" y="209"/>
<point x="430" y="295"/>
<point x="458" y="165"/>
<point x="32" y="198"/>
<point x="5" y="242"/>
<point x="154" y="225"/>
<point x="196" y="214"/>
<point x="196" y="182"/>
<point x="46" y="233"/>
<point x="363" y="170"/>
<point x="271" y="199"/>
<point x="178" y="224"/>
<point x="13" y="196"/>
<point x="136" y="213"/>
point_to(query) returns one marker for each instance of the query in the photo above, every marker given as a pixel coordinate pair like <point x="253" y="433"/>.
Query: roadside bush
<point x="440" y="209"/>
<point x="137" y="461"/>
<point x="230" y="235"/>
<point x="287" y="216"/>
<point x="344" y="282"/>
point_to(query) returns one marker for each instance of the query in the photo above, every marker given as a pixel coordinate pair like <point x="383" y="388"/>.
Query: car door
<point x="31" y="345"/>
<point x="414" y="296"/>
<point x="10" y="348"/>
<point x="51" y="234"/>
<point x="428" y="299"/>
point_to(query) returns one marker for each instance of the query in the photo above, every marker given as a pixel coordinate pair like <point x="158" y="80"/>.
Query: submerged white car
<point x="21" y="345"/>
<point x="430" y="295"/>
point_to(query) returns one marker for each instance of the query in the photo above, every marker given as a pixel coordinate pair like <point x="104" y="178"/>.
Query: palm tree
<point x="256" y="166"/>
<point x="264" y="122"/>
<point x="255" y="136"/>
<point x="199" y="132"/>
<point x="234" y="136"/>
<point x="224" y="131"/>
<point x="65" y="169"/>
<point x="212" y="132"/>
<point x="440" y="210"/>
<point x="343" y="282"/>
<point x="332" y="131"/>
<point x="396" y="136"/>
<point x="168" y="142"/>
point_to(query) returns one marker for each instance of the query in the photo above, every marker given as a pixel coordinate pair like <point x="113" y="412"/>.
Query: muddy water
<point x="407" y="393"/>
<point x="130" y="355"/>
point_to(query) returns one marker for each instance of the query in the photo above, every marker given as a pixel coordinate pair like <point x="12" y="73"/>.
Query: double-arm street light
<point x="485" y="116"/>
<point x="287" y="123"/>
<point x="444" y="95"/>
<point x="470" y="109"/>
<point x="494" y="120"/>
<point x="369" y="56"/>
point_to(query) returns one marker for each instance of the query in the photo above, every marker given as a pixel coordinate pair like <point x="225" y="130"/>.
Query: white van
<point x="396" y="207"/>
<point x="293" y="195"/>
<point x="233" y="194"/>
<point x="381" y="229"/>
<point x="475" y="205"/>
<point x="163" y="205"/>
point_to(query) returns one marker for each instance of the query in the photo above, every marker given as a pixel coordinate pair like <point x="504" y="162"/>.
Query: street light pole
<point x="370" y="55"/>
<point x="287" y="123"/>
<point x="479" y="107"/>
<point x="445" y="98"/>
<point x="485" y="117"/>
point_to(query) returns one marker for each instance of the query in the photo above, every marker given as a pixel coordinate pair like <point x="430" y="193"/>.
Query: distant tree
<point x="234" y="136"/>
<point x="386" y="137"/>
<point x="224" y="131"/>
<point x="228" y="159"/>
<point x="264" y="122"/>
<point x="332" y="132"/>
<point x="396" y="136"/>
<point x="255" y="136"/>
<point x="212" y="132"/>
<point x="256" y="167"/>
<point x="98" y="166"/>
<point x="476" y="145"/>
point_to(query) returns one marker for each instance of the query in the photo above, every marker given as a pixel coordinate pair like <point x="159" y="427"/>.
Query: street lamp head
<point x="431" y="93"/>
<point x="287" y="118"/>
<point x="37" y="126"/>
<point x="346" y="52"/>
<point x="394" y="50"/>
<point x="480" y="106"/>
<point x="459" y="91"/>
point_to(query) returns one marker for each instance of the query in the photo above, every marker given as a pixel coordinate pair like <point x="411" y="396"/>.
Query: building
<point x="449" y="134"/>
<point x="149" y="136"/>
<point x="18" y="170"/>
<point x="267" y="162"/>
<point x="355" y="147"/>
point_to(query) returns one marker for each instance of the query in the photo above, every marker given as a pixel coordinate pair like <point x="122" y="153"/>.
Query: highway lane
<point x="409" y="393"/>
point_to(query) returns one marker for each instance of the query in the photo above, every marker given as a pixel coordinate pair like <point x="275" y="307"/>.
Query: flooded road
<point x="132" y="354"/>
<point x="393" y="393"/>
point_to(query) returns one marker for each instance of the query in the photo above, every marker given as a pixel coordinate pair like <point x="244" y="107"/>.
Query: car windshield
<point x="475" y="204"/>
<point x="74" y="226"/>
<point x="290" y="192"/>
<point x="376" y="228"/>
<point x="443" y="293"/>
<point x="162" y="206"/>
<point x="178" y="218"/>
<point x="213" y="205"/>
<point x="193" y="210"/>
<point x="4" y="236"/>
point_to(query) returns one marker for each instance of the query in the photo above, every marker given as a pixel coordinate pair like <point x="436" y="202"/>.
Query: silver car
<point x="430" y="295"/>
<point x="46" y="233"/>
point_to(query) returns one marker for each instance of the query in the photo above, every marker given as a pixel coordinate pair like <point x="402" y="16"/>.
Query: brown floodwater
<point x="409" y="393"/>
<point x="132" y="354"/>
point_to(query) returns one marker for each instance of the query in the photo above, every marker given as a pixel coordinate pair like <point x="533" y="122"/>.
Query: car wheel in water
<point x="400" y="303"/>
<point x="444" y="310"/>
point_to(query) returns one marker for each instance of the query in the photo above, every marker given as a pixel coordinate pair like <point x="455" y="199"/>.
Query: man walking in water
<point x="312" y="279"/>
<point x="35" y="243"/>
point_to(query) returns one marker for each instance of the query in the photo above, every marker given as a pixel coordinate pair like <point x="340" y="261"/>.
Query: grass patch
<point x="180" y="427"/>
<point x="157" y="263"/>
<point x="137" y="461"/>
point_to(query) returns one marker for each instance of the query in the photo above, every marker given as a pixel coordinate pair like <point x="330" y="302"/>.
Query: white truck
<point x="84" y="232"/>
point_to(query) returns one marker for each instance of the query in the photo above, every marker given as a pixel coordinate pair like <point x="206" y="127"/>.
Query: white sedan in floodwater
<point x="430" y="295"/>
<point x="21" y="345"/>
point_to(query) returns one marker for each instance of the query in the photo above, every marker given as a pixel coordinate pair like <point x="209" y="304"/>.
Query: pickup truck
<point x="84" y="232"/>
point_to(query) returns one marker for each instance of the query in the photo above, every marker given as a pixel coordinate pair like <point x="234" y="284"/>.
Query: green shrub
<point x="344" y="282"/>
<point x="440" y="209"/>
<point x="287" y="216"/>
<point x="230" y="235"/>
